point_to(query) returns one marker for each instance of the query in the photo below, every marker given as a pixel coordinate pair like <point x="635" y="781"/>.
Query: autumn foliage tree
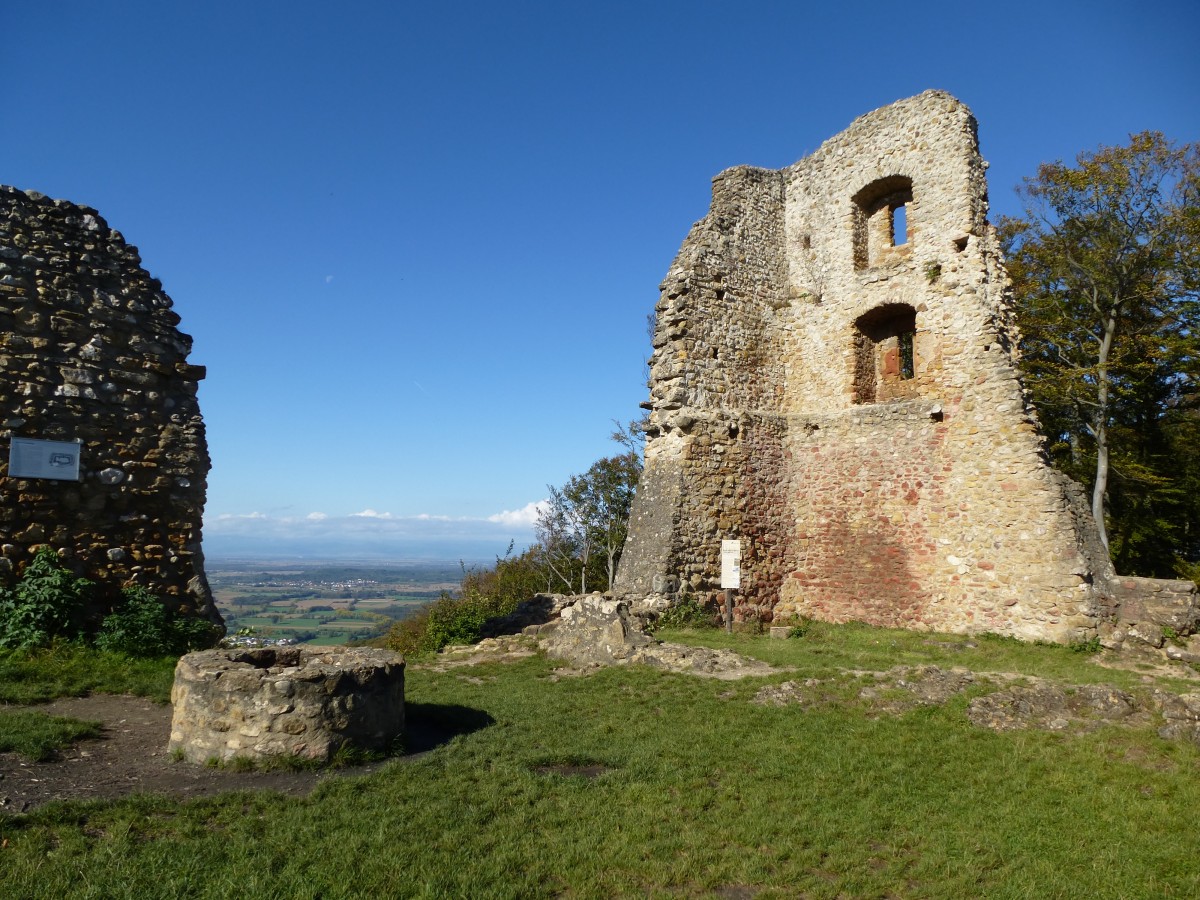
<point x="1105" y="265"/>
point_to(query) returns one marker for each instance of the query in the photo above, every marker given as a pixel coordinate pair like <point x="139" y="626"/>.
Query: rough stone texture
<point x="1151" y="609"/>
<point x="1181" y="716"/>
<point x="1053" y="707"/>
<point x="834" y="383"/>
<point x="296" y="701"/>
<point x="893" y="692"/>
<point x="89" y="351"/>
<point x="594" y="630"/>
<point x="1030" y="703"/>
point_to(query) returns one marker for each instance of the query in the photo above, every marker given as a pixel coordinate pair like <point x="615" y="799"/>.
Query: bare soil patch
<point x="131" y="757"/>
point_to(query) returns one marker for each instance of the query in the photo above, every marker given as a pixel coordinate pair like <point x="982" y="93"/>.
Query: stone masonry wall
<point x="90" y="352"/>
<point x="717" y="388"/>
<point x="834" y="383"/>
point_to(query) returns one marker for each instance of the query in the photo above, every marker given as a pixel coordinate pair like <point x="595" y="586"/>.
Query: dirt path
<point x="131" y="756"/>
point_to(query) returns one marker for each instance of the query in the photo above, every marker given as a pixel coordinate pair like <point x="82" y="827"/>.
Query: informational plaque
<point x="731" y="564"/>
<point x="33" y="458"/>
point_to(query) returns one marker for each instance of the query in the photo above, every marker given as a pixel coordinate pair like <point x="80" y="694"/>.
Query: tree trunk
<point x="612" y="565"/>
<point x="1100" y="426"/>
<point x="1101" y="483"/>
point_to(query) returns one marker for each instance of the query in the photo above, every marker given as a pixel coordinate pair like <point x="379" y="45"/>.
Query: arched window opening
<point x="885" y="359"/>
<point x="900" y="225"/>
<point x="882" y="226"/>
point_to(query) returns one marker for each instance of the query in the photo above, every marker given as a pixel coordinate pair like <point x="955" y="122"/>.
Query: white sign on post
<point x="731" y="564"/>
<point x="33" y="458"/>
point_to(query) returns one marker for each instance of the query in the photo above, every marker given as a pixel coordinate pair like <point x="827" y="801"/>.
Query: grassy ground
<point x="67" y="670"/>
<point x="693" y="791"/>
<point x="36" y="736"/>
<point x="71" y="670"/>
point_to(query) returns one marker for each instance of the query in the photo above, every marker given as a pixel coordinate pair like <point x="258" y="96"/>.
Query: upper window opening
<point x="881" y="221"/>
<point x="900" y="225"/>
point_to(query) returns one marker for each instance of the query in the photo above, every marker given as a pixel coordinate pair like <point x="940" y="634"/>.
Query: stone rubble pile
<point x="1021" y="702"/>
<point x="593" y="630"/>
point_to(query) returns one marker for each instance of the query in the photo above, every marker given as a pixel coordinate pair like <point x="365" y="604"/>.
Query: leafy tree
<point x="1105" y="265"/>
<point x="584" y="526"/>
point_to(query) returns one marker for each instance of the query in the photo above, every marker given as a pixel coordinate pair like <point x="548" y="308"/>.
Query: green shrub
<point x="1091" y="645"/>
<point x="800" y="626"/>
<point x="447" y="620"/>
<point x="143" y="626"/>
<point x="407" y="634"/>
<point x="687" y="613"/>
<point x="511" y="580"/>
<point x="48" y="602"/>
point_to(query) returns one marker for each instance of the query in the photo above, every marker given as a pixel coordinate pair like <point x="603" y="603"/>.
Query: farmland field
<point x="323" y="603"/>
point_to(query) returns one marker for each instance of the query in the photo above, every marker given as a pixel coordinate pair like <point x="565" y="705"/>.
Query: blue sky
<point x="416" y="244"/>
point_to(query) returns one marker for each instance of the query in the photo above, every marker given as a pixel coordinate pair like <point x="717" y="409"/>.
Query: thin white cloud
<point x="328" y="279"/>
<point x="525" y="517"/>
<point x="318" y="532"/>
<point x="368" y="532"/>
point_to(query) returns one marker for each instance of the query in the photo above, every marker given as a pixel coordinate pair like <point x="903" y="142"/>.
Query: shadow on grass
<point x="430" y="725"/>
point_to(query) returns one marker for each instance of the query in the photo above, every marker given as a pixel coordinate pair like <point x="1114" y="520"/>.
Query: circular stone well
<point x="286" y="701"/>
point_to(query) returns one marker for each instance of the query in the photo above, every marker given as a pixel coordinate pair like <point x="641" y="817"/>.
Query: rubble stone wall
<point x="834" y="383"/>
<point x="293" y="701"/>
<point x="717" y="392"/>
<point x="90" y="352"/>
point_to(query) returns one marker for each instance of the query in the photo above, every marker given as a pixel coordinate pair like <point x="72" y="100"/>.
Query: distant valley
<point x="323" y="602"/>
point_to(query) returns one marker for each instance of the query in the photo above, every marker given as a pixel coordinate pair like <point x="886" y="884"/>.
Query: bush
<point x="447" y="620"/>
<point x="143" y="626"/>
<point x="687" y="613"/>
<point x="48" y="602"/>
<point x="511" y="580"/>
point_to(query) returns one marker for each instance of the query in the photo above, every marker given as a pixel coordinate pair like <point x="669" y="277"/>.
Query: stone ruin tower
<point x="834" y="384"/>
<point x="91" y="357"/>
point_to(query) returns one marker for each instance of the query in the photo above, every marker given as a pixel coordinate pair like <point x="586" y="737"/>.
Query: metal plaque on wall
<point x="34" y="458"/>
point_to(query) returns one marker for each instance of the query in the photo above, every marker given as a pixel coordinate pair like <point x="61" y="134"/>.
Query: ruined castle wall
<point x="928" y="504"/>
<point x="875" y="452"/>
<point x="715" y="458"/>
<point x="90" y="352"/>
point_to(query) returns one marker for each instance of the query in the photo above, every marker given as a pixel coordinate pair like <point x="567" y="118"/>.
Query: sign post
<point x="731" y="576"/>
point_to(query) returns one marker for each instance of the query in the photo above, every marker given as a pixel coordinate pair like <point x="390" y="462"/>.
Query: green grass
<point x="333" y="639"/>
<point x="827" y="649"/>
<point x="701" y="792"/>
<point x="72" y="670"/>
<point x="37" y="736"/>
